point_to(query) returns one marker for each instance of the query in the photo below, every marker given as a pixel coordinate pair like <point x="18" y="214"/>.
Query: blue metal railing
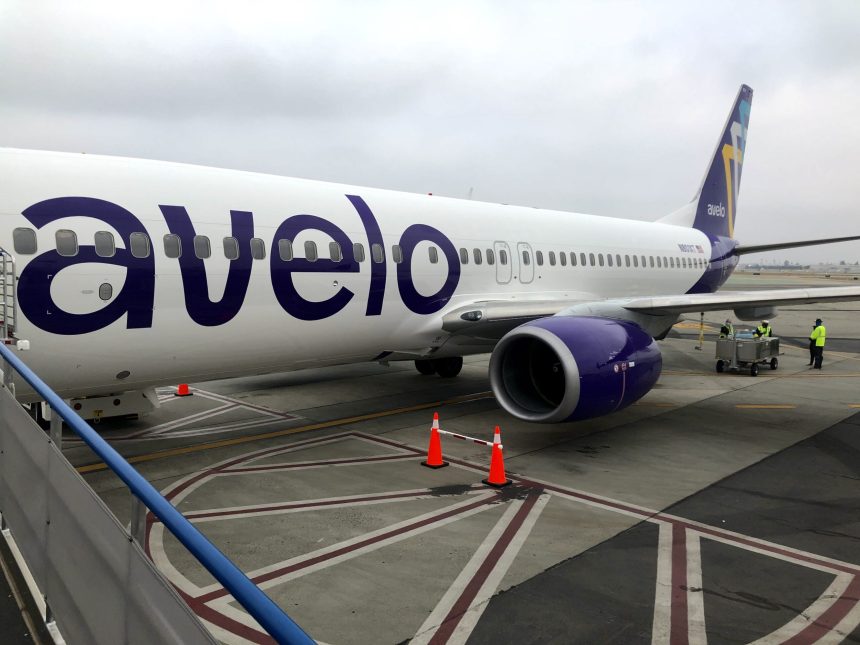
<point x="271" y="617"/>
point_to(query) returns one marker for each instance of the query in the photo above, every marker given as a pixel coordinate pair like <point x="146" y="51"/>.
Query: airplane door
<point x="504" y="262"/>
<point x="526" y="262"/>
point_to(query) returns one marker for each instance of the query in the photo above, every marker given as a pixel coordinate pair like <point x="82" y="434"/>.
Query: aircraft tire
<point x="425" y="367"/>
<point x="774" y="363"/>
<point x="448" y="367"/>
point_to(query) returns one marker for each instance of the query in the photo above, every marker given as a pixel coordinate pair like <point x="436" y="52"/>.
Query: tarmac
<point x="720" y="508"/>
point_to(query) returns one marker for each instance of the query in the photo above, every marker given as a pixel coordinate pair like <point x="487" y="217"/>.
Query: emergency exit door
<point x="504" y="262"/>
<point x="525" y="260"/>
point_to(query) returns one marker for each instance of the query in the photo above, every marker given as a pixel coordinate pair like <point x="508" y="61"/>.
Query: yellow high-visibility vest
<point x="818" y="335"/>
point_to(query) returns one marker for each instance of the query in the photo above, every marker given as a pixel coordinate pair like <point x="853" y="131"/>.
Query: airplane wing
<point x="492" y="319"/>
<point x="721" y="300"/>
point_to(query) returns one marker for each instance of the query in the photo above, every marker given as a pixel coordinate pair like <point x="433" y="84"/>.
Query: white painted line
<point x="470" y="619"/>
<point x="662" y="626"/>
<point x="430" y="526"/>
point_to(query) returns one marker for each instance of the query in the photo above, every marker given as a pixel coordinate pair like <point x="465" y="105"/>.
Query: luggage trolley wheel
<point x="721" y="366"/>
<point x="754" y="369"/>
<point x="774" y="363"/>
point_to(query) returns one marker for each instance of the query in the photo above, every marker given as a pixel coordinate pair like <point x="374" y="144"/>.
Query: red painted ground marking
<point x="231" y="625"/>
<point x="298" y="566"/>
<point x="461" y="606"/>
<point x="679" y="634"/>
<point x="828" y="621"/>
<point x="193" y="515"/>
<point x="306" y="464"/>
<point x="244" y="458"/>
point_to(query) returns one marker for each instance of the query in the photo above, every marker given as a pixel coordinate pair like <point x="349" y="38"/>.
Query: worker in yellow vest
<point x="727" y="330"/>
<point x="819" y="335"/>
<point x="764" y="329"/>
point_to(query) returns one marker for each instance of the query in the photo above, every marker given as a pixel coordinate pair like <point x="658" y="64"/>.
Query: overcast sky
<point x="610" y="108"/>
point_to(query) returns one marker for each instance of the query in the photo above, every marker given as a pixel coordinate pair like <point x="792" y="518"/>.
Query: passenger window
<point x="67" y="242"/>
<point x="358" y="252"/>
<point x="105" y="246"/>
<point x="591" y="259"/>
<point x="636" y="261"/>
<point x="552" y="258"/>
<point x="464" y="256"/>
<point x="334" y="252"/>
<point x="503" y="257"/>
<point x="572" y="259"/>
<point x="433" y="252"/>
<point x="526" y="259"/>
<point x="672" y="262"/>
<point x="24" y="241"/>
<point x="377" y="253"/>
<point x="643" y="261"/>
<point x="476" y="254"/>
<point x="562" y="257"/>
<point x="310" y="251"/>
<point x="665" y="262"/>
<point x="258" y="248"/>
<point x="609" y="259"/>
<point x="397" y="254"/>
<point x="285" y="250"/>
<point x="491" y="257"/>
<point x="202" y="248"/>
<point x="651" y="261"/>
<point x="582" y="259"/>
<point x="539" y="258"/>
<point x="659" y="265"/>
<point x="172" y="245"/>
<point x="105" y="291"/>
<point x="139" y="245"/>
<point x="231" y="248"/>
<point x="600" y="259"/>
<point x="618" y="259"/>
<point x="627" y="261"/>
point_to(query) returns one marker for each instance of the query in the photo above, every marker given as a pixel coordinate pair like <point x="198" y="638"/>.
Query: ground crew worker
<point x="727" y="331"/>
<point x="819" y="335"/>
<point x="812" y="346"/>
<point x="764" y="329"/>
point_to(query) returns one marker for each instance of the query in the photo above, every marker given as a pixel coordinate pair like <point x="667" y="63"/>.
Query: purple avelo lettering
<point x="134" y="300"/>
<point x="282" y="270"/>
<point x="411" y="237"/>
<point x="194" y="282"/>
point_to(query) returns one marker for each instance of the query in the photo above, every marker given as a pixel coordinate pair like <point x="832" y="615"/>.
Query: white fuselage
<point x="264" y="335"/>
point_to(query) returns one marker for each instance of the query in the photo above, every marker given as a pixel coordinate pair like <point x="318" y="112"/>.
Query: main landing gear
<point x="444" y="367"/>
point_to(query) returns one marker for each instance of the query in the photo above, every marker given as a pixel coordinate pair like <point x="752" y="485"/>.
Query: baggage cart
<point x="742" y="353"/>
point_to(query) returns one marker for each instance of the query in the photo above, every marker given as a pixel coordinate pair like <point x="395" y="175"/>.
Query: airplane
<point x="125" y="274"/>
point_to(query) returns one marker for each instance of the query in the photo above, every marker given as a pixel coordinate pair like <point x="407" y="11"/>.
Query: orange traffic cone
<point x="434" y="450"/>
<point x="182" y="390"/>
<point x="497" y="476"/>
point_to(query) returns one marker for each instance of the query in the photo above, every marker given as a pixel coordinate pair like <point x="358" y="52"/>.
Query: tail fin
<point x="713" y="208"/>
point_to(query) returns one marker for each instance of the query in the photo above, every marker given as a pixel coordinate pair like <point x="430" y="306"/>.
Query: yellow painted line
<point x="648" y="404"/>
<point x="854" y="405"/>
<point x="765" y="406"/>
<point x="236" y="441"/>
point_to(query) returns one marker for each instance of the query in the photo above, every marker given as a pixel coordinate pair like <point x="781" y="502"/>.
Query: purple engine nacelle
<point x="568" y="368"/>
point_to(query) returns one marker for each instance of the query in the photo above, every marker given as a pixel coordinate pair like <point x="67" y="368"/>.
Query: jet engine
<point x="568" y="368"/>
